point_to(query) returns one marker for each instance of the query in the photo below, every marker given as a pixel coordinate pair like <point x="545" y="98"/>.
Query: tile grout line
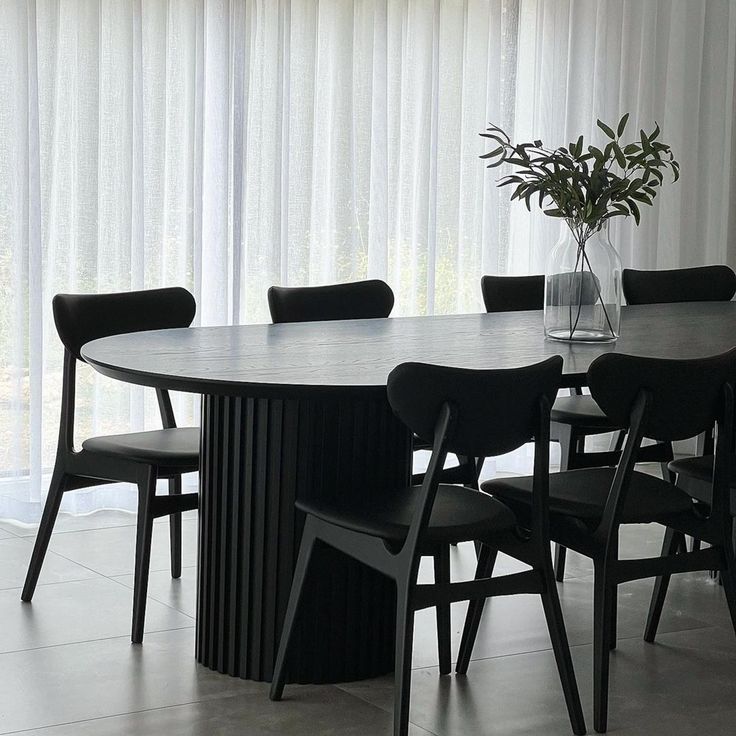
<point x="91" y="641"/>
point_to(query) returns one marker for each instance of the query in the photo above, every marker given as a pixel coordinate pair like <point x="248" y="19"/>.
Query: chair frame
<point x="75" y="469"/>
<point x="373" y="299"/>
<point x="571" y="438"/>
<point x="402" y="566"/>
<point x="602" y="546"/>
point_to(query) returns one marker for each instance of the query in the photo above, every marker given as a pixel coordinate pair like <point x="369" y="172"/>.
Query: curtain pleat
<point x="227" y="145"/>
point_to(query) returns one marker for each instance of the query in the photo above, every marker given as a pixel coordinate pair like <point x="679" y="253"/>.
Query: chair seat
<point x="701" y="469"/>
<point x="458" y="514"/>
<point x="582" y="494"/>
<point x="580" y="411"/>
<point x="170" y="447"/>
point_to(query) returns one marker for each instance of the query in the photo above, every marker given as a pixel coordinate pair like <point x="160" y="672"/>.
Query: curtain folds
<point x="227" y="145"/>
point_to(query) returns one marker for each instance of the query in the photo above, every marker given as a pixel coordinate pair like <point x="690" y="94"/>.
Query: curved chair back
<point x="495" y="411"/>
<point x="684" y="396"/>
<point x="80" y="318"/>
<point x="512" y="293"/>
<point x="520" y="293"/>
<point x="356" y="300"/>
<point x="700" y="284"/>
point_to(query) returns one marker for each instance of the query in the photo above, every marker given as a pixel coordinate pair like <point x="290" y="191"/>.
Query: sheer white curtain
<point x="666" y="60"/>
<point x="228" y="145"/>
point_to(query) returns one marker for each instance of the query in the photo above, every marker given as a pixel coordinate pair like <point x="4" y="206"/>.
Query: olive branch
<point x="586" y="187"/>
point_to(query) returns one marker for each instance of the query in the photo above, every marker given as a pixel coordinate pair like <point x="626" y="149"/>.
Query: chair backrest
<point x="700" y="284"/>
<point x="356" y="300"/>
<point x="512" y="293"/>
<point x="80" y="318"/>
<point x="496" y="411"/>
<point x="685" y="396"/>
<point x="520" y="293"/>
<point x="666" y="400"/>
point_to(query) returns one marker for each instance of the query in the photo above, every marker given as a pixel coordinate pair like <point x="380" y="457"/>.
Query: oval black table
<point x="298" y="409"/>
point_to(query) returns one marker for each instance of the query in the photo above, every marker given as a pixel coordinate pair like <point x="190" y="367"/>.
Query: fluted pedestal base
<point x="258" y="456"/>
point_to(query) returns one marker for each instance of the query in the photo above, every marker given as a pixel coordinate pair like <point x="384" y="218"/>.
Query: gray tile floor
<point x="67" y="666"/>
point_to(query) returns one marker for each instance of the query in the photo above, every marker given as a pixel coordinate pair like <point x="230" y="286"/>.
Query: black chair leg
<point x="402" y="666"/>
<point x="175" y="529"/>
<point x="561" y="648"/>
<point x="601" y="648"/>
<point x="295" y="595"/>
<point x="568" y="444"/>
<point x="50" y="512"/>
<point x="614" y="619"/>
<point x="560" y="555"/>
<point x="442" y="578"/>
<point x="728" y="575"/>
<point x="670" y="546"/>
<point x="484" y="569"/>
<point x="144" y="533"/>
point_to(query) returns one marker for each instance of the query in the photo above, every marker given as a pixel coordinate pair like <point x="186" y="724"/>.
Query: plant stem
<point x="600" y="298"/>
<point x="570" y="288"/>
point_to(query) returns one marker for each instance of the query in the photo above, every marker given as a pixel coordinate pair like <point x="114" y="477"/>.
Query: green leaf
<point x="622" y="125"/>
<point x="645" y="146"/>
<point x="619" y="154"/>
<point x="634" y="210"/>
<point x="605" y="129"/>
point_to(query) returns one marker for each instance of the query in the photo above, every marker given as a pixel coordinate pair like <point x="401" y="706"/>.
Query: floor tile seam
<point x="56" y="582"/>
<point x="12" y="534"/>
<point x="73" y="562"/>
<point x="129" y="588"/>
<point x="96" y="573"/>
<point x="96" y="639"/>
<point x="182" y="705"/>
<point x="100" y="718"/>
<point x="385" y="709"/>
<point x="576" y="646"/>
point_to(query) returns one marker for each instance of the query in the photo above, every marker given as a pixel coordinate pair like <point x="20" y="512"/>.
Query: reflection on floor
<point x="67" y="666"/>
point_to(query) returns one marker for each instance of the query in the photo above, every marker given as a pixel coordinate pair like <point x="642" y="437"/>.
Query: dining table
<point x="296" y="409"/>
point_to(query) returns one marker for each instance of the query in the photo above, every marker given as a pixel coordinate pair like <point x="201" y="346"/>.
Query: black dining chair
<point x="475" y="413"/>
<point x="138" y="457"/>
<point x="666" y="400"/>
<point x="372" y="299"/>
<point x="574" y="417"/>
<point x="700" y="284"/>
<point x="715" y="283"/>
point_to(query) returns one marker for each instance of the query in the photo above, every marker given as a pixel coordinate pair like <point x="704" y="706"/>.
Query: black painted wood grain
<point x="355" y="356"/>
<point x="259" y="455"/>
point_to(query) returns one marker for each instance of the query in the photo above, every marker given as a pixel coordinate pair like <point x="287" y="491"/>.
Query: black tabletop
<point x="357" y="355"/>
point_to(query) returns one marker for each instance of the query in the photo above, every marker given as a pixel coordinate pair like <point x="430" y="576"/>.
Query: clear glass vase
<point x="582" y="292"/>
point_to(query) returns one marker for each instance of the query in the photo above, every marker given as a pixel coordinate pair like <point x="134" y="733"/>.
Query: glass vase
<point x="582" y="292"/>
